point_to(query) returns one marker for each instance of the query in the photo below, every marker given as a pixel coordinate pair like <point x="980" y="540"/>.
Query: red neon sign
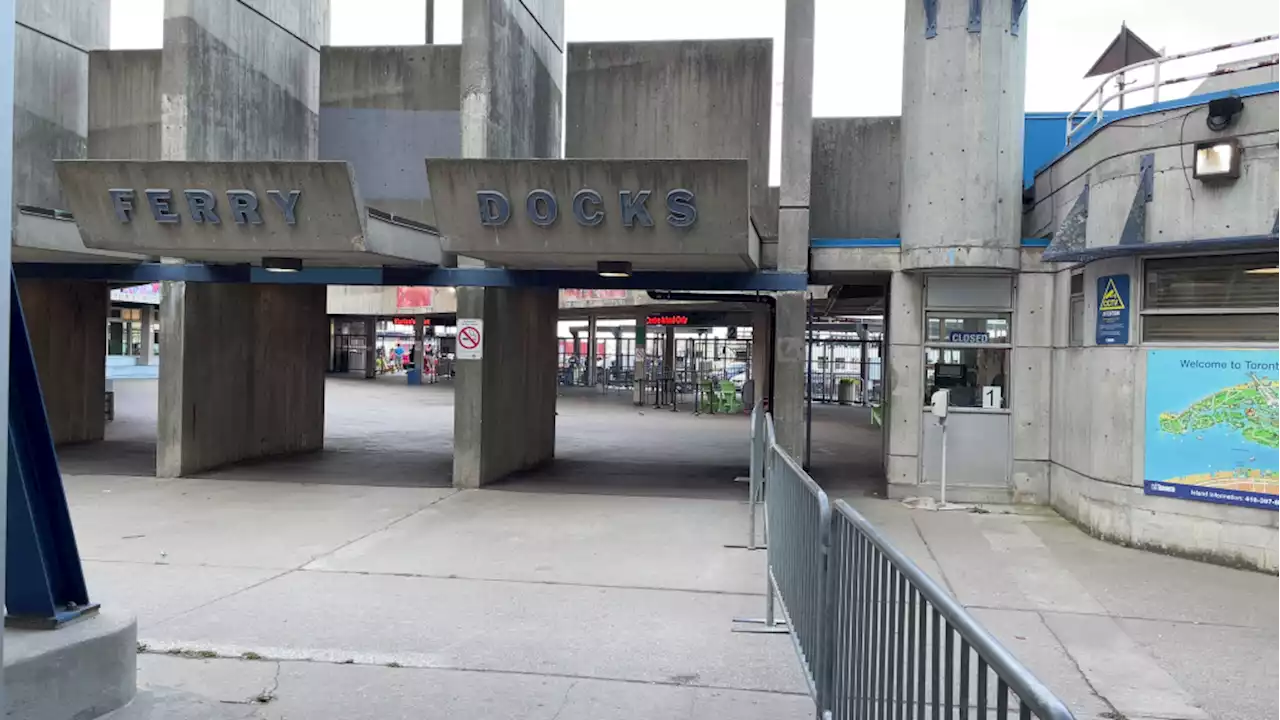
<point x="409" y="321"/>
<point x="667" y="320"/>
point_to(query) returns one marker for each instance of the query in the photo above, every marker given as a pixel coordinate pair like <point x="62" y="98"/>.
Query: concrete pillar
<point x="246" y="381"/>
<point x="903" y="372"/>
<point x="67" y="323"/>
<point x="761" y="352"/>
<point x="240" y="82"/>
<point x="417" y="376"/>
<point x="592" y="353"/>
<point x="793" y="226"/>
<point x="789" y="372"/>
<point x="1031" y="386"/>
<point x="505" y="402"/>
<point x="512" y="95"/>
<point x="147" y="334"/>
<point x="370" y="347"/>
<point x="640" y="371"/>
<point x="962" y="115"/>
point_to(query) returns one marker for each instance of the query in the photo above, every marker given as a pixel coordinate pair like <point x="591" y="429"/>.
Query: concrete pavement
<point x="317" y="587"/>
<point x="1115" y="632"/>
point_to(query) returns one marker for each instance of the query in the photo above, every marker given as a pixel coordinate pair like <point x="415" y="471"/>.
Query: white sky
<point x="857" y="44"/>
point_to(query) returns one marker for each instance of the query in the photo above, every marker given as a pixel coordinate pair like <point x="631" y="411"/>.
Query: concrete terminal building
<point x="1056" y="307"/>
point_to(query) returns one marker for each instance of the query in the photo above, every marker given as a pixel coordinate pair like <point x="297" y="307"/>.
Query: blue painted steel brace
<point x="44" y="583"/>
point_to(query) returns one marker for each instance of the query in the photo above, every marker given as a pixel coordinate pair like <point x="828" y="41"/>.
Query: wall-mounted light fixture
<point x="281" y="264"/>
<point x="1218" y="160"/>
<point x="613" y="268"/>
<point x="1222" y="113"/>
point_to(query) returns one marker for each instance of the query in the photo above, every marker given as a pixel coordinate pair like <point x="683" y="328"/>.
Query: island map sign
<point x="1213" y="426"/>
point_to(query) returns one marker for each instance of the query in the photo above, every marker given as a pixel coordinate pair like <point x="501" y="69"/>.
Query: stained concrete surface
<point x="600" y="588"/>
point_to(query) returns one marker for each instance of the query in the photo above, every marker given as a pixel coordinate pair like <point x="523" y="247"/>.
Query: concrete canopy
<point x="237" y="213"/>
<point x="576" y="231"/>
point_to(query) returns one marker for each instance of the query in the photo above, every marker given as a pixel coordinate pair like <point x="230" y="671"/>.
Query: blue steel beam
<point x="44" y="582"/>
<point x="438" y="277"/>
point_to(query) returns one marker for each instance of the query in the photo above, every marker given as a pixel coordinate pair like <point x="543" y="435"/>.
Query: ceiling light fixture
<point x="281" y="264"/>
<point x="1263" y="271"/>
<point x="613" y="268"/>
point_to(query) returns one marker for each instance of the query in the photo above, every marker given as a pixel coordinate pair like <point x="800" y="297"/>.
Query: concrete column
<point x="1031" y="386"/>
<point x="240" y="82"/>
<point x="592" y="357"/>
<point x="789" y="372"/>
<point x="505" y="402"/>
<point x="962" y="117"/>
<point x="147" y="315"/>
<point x="640" y="371"/>
<point x="761" y="352"/>
<point x="903" y="393"/>
<point x="370" y="347"/>
<point x="512" y="95"/>
<point x="793" y="226"/>
<point x="67" y="323"/>
<point x="247" y="381"/>
<point x="419" y="336"/>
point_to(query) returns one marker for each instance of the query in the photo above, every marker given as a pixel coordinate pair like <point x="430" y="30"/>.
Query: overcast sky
<point x="857" y="47"/>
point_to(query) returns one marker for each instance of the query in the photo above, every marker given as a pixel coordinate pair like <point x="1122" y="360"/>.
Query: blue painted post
<point x="6" y="259"/>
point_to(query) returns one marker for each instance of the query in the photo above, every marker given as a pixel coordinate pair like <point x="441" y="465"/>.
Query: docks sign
<point x="242" y="206"/>
<point x="588" y="208"/>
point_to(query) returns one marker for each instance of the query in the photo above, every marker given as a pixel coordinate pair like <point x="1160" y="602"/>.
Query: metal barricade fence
<point x="876" y="637"/>
<point x="797" y="562"/>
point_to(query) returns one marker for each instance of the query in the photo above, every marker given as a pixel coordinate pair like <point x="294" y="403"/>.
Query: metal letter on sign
<point x="470" y="340"/>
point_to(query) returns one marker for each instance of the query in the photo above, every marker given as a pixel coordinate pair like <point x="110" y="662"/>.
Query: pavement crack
<point x="375" y="531"/>
<point x="1076" y="664"/>
<point x="564" y="701"/>
<point x="942" y="574"/>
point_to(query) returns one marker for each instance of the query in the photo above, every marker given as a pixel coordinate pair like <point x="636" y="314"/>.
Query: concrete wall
<point x="678" y="99"/>
<point x="124" y="104"/>
<point x="67" y="322"/>
<point x="904" y="383"/>
<point x="962" y="125"/>
<point x="241" y="81"/>
<point x="243" y="373"/>
<point x="1097" y="446"/>
<point x="384" y="109"/>
<point x="52" y="40"/>
<point x="512" y="78"/>
<point x="857" y="171"/>
<point x="1244" y="78"/>
<point x="384" y="301"/>
<point x="1181" y="208"/>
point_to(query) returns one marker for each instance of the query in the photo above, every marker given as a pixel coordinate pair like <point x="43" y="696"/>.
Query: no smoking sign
<point x="470" y="339"/>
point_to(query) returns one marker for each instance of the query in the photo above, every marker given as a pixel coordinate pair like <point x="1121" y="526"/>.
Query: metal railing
<point x="875" y="636"/>
<point x="1079" y="120"/>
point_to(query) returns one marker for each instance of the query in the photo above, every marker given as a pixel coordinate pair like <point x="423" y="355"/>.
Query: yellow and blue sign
<point x="1113" y="310"/>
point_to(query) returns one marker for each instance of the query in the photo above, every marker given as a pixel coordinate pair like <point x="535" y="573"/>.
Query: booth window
<point x="1075" y="333"/>
<point x="967" y="353"/>
<point x="1219" y="299"/>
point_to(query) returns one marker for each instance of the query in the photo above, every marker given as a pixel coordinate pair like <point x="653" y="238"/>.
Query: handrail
<point x="1098" y="94"/>
<point x="1042" y="702"/>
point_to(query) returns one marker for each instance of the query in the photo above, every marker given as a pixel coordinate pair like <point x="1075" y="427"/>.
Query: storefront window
<point x="950" y="327"/>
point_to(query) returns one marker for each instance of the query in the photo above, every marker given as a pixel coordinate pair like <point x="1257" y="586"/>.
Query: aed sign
<point x="589" y="208"/>
<point x="200" y="206"/>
